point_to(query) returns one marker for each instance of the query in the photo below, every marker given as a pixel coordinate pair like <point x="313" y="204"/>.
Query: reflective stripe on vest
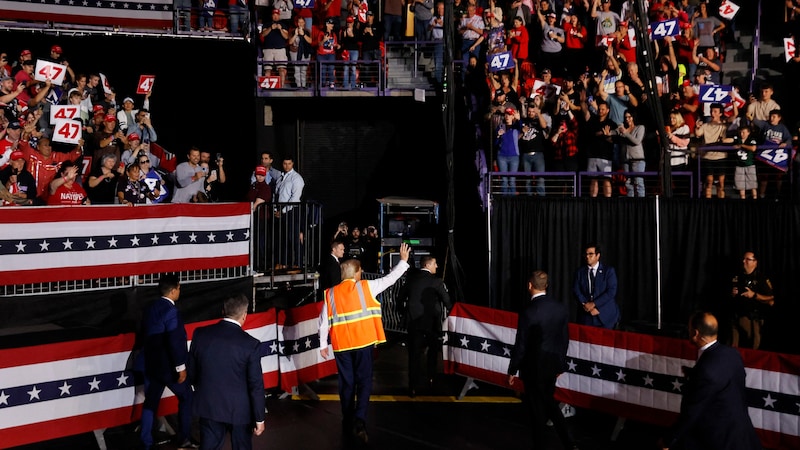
<point x="358" y="328"/>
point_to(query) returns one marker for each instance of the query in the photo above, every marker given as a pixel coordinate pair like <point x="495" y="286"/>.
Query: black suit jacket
<point x="423" y="295"/>
<point x="225" y="369"/>
<point x="540" y="348"/>
<point x="714" y="405"/>
<point x="330" y="272"/>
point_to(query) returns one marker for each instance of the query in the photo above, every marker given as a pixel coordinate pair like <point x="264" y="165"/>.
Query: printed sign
<point x="776" y="157"/>
<point x="64" y="112"/>
<point x="728" y="9"/>
<point x="303" y="4"/>
<point x="67" y="131"/>
<point x="501" y="61"/>
<point x="271" y="82"/>
<point x="46" y="70"/>
<point x="145" y="84"/>
<point x="660" y="30"/>
<point x="789" y="48"/>
<point x="714" y="93"/>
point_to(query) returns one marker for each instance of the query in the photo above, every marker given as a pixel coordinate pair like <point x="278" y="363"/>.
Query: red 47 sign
<point x="789" y="48"/>
<point x="46" y="70"/>
<point x="64" y="112"/>
<point x="67" y="131"/>
<point x="269" y="82"/>
<point x="145" y="84"/>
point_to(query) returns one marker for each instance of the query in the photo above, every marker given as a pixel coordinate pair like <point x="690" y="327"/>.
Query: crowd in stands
<point x="574" y="98"/>
<point x="109" y="162"/>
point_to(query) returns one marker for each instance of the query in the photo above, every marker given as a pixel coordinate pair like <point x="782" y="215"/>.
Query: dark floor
<point x="489" y="417"/>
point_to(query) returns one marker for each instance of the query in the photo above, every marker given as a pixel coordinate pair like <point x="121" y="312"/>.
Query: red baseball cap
<point x="133" y="137"/>
<point x="57" y="49"/>
<point x="110" y="118"/>
<point x="25" y="53"/>
<point x="17" y="154"/>
<point x="510" y="111"/>
<point x="350" y="19"/>
<point x="261" y="170"/>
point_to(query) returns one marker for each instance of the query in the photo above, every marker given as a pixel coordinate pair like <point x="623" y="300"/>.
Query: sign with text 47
<point x="304" y="4"/>
<point x="46" y="70"/>
<point x="271" y="82"/>
<point x="715" y="93"/>
<point x="501" y="61"/>
<point x="145" y="84"/>
<point x="660" y="30"/>
<point x="789" y="48"/>
<point x="67" y="131"/>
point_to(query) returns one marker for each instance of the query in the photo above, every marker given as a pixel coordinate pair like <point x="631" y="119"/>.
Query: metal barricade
<point x="556" y="184"/>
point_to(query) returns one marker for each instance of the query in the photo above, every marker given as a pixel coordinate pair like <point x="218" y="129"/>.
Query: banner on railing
<point x="298" y="335"/>
<point x="46" y="244"/>
<point x="55" y="390"/>
<point x="140" y="14"/>
<point x="626" y="374"/>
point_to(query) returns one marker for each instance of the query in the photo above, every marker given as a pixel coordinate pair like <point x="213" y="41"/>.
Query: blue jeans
<point x="238" y="16"/>
<point x="421" y="32"/>
<point x="508" y="164"/>
<point x="638" y="182"/>
<point x="350" y="70"/>
<point x="536" y="161"/>
<point x="326" y="66"/>
<point x="183" y="9"/>
<point x="438" y="60"/>
<point x="465" y="53"/>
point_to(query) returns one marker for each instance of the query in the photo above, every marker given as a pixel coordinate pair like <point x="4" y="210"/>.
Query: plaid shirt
<point x="566" y="146"/>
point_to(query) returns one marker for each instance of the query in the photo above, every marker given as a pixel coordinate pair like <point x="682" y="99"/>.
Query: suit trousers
<point x="152" y="396"/>
<point x="418" y="340"/>
<point x="355" y="382"/>
<point x="539" y="397"/>
<point x="213" y="435"/>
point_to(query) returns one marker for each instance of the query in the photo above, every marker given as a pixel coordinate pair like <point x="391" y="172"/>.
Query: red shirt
<point x="573" y="41"/>
<point x="518" y="43"/>
<point x="69" y="196"/>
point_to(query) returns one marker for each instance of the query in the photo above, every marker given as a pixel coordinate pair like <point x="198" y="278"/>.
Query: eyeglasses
<point x="144" y="161"/>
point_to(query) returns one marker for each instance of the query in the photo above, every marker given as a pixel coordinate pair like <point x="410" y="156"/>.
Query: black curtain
<point x="549" y="234"/>
<point x="702" y="243"/>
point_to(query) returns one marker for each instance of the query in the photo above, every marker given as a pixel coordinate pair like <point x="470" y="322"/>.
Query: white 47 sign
<point x="46" y="70"/>
<point x="789" y="48"/>
<point x="64" y="112"/>
<point x="67" y="131"/>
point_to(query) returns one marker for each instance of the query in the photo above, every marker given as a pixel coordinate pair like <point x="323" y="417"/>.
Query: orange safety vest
<point x="354" y="315"/>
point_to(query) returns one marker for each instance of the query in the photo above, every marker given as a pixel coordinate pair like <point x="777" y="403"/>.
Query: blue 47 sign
<point x="660" y="30"/>
<point x="500" y="61"/>
<point x="778" y="157"/>
<point x="715" y="93"/>
<point x="303" y="4"/>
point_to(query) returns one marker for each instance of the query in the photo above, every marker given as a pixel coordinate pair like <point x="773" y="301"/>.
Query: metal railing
<point x="577" y="184"/>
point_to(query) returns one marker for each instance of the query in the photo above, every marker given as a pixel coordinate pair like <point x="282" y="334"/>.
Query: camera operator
<point x="108" y="140"/>
<point x="143" y="127"/>
<point x="752" y="302"/>
<point x="216" y="175"/>
<point x="20" y="187"/>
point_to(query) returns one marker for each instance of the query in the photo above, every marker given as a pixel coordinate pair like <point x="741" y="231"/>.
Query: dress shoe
<point x="187" y="444"/>
<point x="360" y="431"/>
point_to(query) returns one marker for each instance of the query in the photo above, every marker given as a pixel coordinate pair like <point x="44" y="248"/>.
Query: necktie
<point x="591" y="281"/>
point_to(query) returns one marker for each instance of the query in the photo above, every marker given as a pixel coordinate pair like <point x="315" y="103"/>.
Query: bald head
<point x="703" y="328"/>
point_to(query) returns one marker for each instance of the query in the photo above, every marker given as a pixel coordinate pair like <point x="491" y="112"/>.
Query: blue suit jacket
<point x="164" y="337"/>
<point x="225" y="369"/>
<point x="714" y="405"/>
<point x="605" y="294"/>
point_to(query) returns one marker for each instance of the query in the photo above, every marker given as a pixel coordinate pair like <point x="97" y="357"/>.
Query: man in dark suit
<point x="714" y="405"/>
<point x="423" y="295"/>
<point x="539" y="354"/>
<point x="595" y="287"/>
<point x="330" y="273"/>
<point x="165" y="358"/>
<point x="225" y="369"/>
